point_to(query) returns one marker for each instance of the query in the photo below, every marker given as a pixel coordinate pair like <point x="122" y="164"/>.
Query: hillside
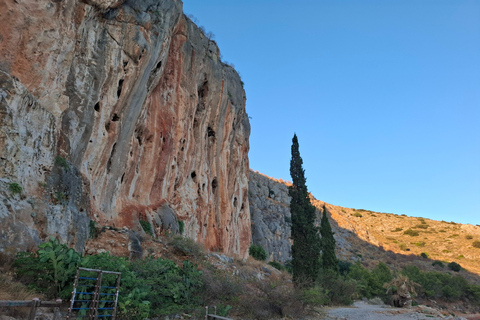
<point x="364" y="235"/>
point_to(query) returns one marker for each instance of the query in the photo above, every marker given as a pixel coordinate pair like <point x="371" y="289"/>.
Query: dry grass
<point x="13" y="290"/>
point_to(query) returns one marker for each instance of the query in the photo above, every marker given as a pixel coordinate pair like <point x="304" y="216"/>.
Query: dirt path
<point x="363" y="311"/>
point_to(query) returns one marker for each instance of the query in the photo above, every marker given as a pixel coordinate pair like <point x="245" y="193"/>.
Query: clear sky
<point x="384" y="96"/>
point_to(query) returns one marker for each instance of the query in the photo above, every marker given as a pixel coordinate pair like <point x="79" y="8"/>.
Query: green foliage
<point x="150" y="287"/>
<point x="454" y="266"/>
<point x="424" y="255"/>
<point x="173" y="289"/>
<point x="443" y="285"/>
<point x="181" y="226"/>
<point x="61" y="162"/>
<point x="329" y="259"/>
<point x="410" y="232"/>
<point x="397" y="229"/>
<point x="277" y="265"/>
<point x="421" y="226"/>
<point x="338" y="289"/>
<point x="15" y="188"/>
<point x="60" y="197"/>
<point x="134" y="294"/>
<point x="257" y="252"/>
<point x="306" y="240"/>
<point x="147" y="227"/>
<point x="357" y="214"/>
<point x="187" y="247"/>
<point x="438" y="263"/>
<point x="476" y="244"/>
<point x="93" y="230"/>
<point x="469" y="237"/>
<point x="51" y="271"/>
<point x="370" y="283"/>
<point x="344" y="267"/>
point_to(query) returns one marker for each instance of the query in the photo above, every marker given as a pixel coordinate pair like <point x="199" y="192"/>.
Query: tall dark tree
<point x="329" y="259"/>
<point x="306" y="240"/>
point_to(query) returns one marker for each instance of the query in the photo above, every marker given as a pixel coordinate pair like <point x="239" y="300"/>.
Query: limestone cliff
<point x="118" y="111"/>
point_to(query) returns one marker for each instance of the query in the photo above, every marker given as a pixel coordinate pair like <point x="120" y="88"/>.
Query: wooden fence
<point x="33" y="304"/>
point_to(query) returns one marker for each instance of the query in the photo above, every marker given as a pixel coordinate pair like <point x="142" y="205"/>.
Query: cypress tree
<point x="306" y="240"/>
<point x="329" y="259"/>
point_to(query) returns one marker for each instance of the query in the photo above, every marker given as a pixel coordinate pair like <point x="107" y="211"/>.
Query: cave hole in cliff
<point x="139" y="139"/>
<point x="109" y="163"/>
<point x="202" y="94"/>
<point x="203" y="187"/>
<point x="107" y="126"/>
<point x="158" y="66"/>
<point x="214" y="183"/>
<point x="242" y="207"/>
<point x="193" y="174"/>
<point x="210" y="132"/>
<point x="97" y="106"/>
<point x="123" y="176"/>
<point x="119" y="88"/>
<point x="115" y="117"/>
<point x="235" y="202"/>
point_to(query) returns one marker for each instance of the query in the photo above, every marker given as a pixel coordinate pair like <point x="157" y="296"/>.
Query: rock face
<point x="118" y="111"/>
<point x="271" y="218"/>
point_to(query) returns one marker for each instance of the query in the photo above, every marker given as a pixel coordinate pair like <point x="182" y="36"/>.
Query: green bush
<point x="257" y="252"/>
<point x="454" y="266"/>
<point x="370" y="283"/>
<point x="15" y="188"/>
<point x="424" y="255"/>
<point x="410" y="232"/>
<point x="438" y="263"/>
<point x="397" y="229"/>
<point x="469" y="237"/>
<point x="181" y="226"/>
<point x="187" y="247"/>
<point x="51" y="270"/>
<point x="421" y="226"/>
<point x="277" y="265"/>
<point x="61" y="162"/>
<point x="357" y="214"/>
<point x="476" y="244"/>
<point x="442" y="285"/>
<point x="147" y="227"/>
<point x="93" y="230"/>
<point x="150" y="287"/>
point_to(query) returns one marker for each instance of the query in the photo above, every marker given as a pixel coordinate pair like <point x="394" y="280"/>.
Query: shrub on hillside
<point x="277" y="265"/>
<point x="476" y="244"/>
<point x="442" y="285"/>
<point x="411" y="232"/>
<point x="438" y="263"/>
<point x="370" y="283"/>
<point x="257" y="252"/>
<point x="454" y="266"/>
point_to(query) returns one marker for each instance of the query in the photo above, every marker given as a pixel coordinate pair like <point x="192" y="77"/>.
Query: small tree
<point x="306" y="240"/>
<point x="329" y="259"/>
<point x="257" y="252"/>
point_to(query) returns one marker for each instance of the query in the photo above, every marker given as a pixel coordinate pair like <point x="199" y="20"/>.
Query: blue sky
<point x="384" y="97"/>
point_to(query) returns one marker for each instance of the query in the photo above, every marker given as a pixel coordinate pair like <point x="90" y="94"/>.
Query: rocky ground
<point x="364" y="311"/>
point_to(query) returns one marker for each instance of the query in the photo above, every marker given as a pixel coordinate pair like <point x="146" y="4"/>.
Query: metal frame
<point x="94" y="291"/>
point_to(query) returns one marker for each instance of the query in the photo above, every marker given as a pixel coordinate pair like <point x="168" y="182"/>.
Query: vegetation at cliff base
<point x="257" y="252"/>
